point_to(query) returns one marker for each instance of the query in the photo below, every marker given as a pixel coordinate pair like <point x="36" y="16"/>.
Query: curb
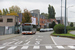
<point x="63" y="36"/>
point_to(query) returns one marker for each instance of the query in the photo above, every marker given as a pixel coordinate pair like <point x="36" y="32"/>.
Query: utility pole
<point x="65" y="17"/>
<point x="38" y="20"/>
<point x="61" y="12"/>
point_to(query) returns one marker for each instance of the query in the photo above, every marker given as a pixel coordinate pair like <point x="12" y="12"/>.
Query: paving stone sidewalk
<point x="3" y="37"/>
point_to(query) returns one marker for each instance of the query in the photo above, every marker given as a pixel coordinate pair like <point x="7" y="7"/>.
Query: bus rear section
<point x="28" y="29"/>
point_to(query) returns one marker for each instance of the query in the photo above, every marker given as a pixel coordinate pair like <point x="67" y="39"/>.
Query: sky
<point x="42" y="5"/>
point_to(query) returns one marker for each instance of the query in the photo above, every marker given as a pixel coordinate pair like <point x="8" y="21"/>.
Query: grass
<point x="63" y="34"/>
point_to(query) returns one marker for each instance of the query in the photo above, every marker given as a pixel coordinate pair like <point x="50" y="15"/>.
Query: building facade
<point x="7" y="24"/>
<point x="63" y="20"/>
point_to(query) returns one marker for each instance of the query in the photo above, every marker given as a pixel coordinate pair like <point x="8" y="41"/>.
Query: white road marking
<point x="24" y="36"/>
<point x="2" y="47"/>
<point x="16" y="39"/>
<point x="53" y="41"/>
<point x="16" y="42"/>
<point x="7" y="43"/>
<point x="11" y="48"/>
<point x="72" y="47"/>
<point x="37" y="42"/>
<point x="30" y="38"/>
<point x="40" y="36"/>
<point x="36" y="47"/>
<point x="20" y="42"/>
<point x="10" y="42"/>
<point x="60" y="47"/>
<point x="28" y="42"/>
<point x="48" y="47"/>
<point x="38" y="39"/>
<point x="25" y="47"/>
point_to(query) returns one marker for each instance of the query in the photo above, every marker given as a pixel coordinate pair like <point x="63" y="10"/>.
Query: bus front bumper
<point x="26" y="33"/>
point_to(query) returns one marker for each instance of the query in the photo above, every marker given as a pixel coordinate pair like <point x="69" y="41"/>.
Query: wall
<point x="2" y="30"/>
<point x="5" y="23"/>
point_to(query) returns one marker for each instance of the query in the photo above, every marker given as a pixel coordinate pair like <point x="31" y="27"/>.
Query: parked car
<point x="47" y="29"/>
<point x="51" y="29"/>
<point x="42" y="30"/>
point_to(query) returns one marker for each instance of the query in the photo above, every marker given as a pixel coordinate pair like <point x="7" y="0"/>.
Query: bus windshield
<point x="27" y="28"/>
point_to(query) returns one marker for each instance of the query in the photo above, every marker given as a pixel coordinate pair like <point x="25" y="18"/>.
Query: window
<point x="9" y="20"/>
<point x="1" y="20"/>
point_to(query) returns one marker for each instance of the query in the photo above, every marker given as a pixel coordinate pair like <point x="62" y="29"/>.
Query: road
<point x="39" y="41"/>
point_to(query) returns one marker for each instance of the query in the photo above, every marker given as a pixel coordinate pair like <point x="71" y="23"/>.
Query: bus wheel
<point x="34" y="33"/>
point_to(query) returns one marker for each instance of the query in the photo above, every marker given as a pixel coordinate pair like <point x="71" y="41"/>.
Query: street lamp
<point x="65" y="17"/>
<point x="68" y="8"/>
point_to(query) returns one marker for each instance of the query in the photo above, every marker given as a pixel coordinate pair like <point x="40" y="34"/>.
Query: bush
<point x="59" y="29"/>
<point x="70" y="28"/>
<point x="38" y="29"/>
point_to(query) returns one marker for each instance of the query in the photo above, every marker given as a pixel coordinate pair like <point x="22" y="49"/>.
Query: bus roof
<point x="29" y="23"/>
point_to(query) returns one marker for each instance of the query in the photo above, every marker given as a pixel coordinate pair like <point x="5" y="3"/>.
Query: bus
<point x="28" y="28"/>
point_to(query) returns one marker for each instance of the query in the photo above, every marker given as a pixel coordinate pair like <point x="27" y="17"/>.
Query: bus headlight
<point x="30" y="32"/>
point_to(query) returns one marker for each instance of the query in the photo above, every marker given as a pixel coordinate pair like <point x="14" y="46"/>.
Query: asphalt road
<point x="39" y="41"/>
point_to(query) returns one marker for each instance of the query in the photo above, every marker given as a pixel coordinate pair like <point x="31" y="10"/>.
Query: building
<point x="7" y="24"/>
<point x="63" y="20"/>
<point x="38" y="19"/>
<point x="49" y="21"/>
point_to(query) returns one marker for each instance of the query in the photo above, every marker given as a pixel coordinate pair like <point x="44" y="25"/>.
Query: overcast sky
<point x="42" y="5"/>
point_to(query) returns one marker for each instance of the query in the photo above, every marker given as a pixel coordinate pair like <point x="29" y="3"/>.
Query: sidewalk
<point x="72" y="32"/>
<point x="63" y="41"/>
<point x="3" y="37"/>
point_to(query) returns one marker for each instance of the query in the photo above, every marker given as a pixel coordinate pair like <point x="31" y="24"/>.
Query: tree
<point x="52" y="25"/>
<point x="51" y="12"/>
<point x="26" y="17"/>
<point x="4" y="12"/>
<point x="71" y="24"/>
<point x="0" y="12"/>
<point x="45" y="14"/>
<point x="15" y="9"/>
<point x="12" y="14"/>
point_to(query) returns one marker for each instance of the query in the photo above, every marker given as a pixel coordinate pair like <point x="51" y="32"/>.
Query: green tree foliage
<point x="15" y="14"/>
<point x="71" y="24"/>
<point x="52" y="25"/>
<point x="15" y="9"/>
<point x="45" y="14"/>
<point x="26" y="17"/>
<point x="0" y="12"/>
<point x="51" y="12"/>
<point x="4" y="12"/>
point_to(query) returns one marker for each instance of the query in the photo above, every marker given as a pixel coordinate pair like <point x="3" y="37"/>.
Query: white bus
<point x="28" y="28"/>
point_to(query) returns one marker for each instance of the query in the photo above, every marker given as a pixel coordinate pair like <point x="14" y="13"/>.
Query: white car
<point x="51" y="29"/>
<point x="43" y="30"/>
<point x="47" y="29"/>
